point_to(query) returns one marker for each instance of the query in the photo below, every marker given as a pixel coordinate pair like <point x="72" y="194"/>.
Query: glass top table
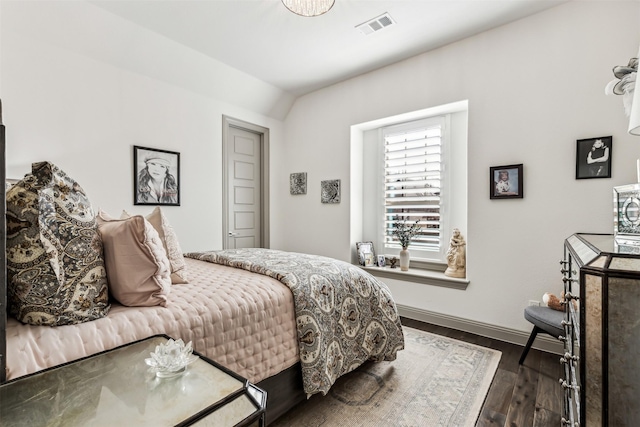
<point x="116" y="388"/>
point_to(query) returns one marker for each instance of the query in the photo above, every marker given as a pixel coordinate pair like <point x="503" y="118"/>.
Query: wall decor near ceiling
<point x="593" y="157"/>
<point x="506" y="182"/>
<point x="624" y="84"/>
<point x="298" y="183"/>
<point x="330" y="191"/>
<point x="156" y="177"/>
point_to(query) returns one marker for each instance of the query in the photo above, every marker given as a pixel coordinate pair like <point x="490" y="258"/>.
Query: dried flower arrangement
<point x="405" y="232"/>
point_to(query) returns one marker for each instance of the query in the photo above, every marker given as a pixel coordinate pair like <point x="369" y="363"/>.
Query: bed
<point x="290" y="323"/>
<point x="230" y="323"/>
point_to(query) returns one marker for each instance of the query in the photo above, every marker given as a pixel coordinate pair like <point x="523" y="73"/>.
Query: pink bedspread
<point x="242" y="320"/>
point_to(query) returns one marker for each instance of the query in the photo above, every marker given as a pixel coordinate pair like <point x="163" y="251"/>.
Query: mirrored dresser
<point x="602" y="331"/>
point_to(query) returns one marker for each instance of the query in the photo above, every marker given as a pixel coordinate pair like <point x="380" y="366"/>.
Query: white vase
<point x="404" y="259"/>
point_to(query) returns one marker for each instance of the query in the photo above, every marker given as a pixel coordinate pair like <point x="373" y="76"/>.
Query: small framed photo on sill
<point x="366" y="254"/>
<point x="381" y="261"/>
<point x="506" y="182"/>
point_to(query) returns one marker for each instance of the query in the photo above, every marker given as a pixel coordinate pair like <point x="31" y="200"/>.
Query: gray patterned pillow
<point x="56" y="273"/>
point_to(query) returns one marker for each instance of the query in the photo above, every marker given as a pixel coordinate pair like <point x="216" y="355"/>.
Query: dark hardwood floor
<point x="527" y="395"/>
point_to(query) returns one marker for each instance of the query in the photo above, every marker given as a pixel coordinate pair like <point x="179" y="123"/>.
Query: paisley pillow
<point x="55" y="268"/>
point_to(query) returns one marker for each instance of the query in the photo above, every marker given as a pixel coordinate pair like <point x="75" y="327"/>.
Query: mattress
<point x="242" y="320"/>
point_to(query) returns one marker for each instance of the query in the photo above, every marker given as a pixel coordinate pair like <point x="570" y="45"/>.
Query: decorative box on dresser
<point x="602" y="337"/>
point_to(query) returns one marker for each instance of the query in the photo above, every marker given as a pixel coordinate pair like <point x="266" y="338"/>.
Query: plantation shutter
<point x="413" y="177"/>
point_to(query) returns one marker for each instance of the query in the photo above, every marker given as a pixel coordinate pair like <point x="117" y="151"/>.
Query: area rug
<point x="435" y="381"/>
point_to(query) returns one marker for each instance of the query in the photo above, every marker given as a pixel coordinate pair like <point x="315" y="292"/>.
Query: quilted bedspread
<point x="344" y="316"/>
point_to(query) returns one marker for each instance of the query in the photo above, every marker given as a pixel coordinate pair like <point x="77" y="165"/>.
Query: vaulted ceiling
<point x="300" y="54"/>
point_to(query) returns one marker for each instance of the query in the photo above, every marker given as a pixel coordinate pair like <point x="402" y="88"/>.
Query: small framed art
<point x="593" y="157"/>
<point x="156" y="177"/>
<point x="330" y="191"/>
<point x="298" y="183"/>
<point x="366" y="254"/>
<point x="506" y="182"/>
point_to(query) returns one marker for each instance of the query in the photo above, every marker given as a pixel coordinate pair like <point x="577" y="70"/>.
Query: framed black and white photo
<point x="156" y="177"/>
<point x="593" y="157"/>
<point x="381" y="261"/>
<point x="506" y="182"/>
<point x="366" y="254"/>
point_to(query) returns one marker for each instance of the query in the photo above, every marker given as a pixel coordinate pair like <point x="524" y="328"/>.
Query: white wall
<point x="534" y="87"/>
<point x="81" y="86"/>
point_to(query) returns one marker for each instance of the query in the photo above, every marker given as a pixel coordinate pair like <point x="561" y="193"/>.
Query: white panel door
<point x="243" y="191"/>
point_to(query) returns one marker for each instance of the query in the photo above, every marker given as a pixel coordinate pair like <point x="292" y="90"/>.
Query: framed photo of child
<point x="506" y="182"/>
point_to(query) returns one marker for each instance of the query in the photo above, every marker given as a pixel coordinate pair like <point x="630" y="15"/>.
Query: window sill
<point x="418" y="275"/>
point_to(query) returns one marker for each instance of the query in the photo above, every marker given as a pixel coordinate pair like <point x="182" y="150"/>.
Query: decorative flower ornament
<point x="171" y="359"/>
<point x="624" y="83"/>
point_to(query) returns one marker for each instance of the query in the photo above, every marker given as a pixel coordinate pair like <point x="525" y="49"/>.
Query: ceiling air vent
<point x="376" y="24"/>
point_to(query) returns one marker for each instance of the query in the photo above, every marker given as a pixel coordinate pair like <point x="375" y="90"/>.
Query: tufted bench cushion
<point x="546" y="319"/>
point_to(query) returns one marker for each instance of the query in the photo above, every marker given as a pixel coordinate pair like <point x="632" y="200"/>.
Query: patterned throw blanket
<point x="344" y="316"/>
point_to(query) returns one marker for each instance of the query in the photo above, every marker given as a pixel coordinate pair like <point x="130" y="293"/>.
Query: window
<point x="414" y="166"/>
<point x="414" y="174"/>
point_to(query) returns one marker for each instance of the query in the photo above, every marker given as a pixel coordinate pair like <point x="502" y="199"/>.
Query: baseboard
<point x="543" y="342"/>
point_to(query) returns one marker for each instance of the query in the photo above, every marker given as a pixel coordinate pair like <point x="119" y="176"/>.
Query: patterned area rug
<point x="435" y="381"/>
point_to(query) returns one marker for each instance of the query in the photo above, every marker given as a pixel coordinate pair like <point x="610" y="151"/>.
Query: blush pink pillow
<point x="170" y="243"/>
<point x="138" y="270"/>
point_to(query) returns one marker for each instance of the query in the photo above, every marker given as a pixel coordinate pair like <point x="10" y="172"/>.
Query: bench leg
<point x="532" y="338"/>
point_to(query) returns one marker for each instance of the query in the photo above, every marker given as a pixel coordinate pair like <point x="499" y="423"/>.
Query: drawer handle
<point x="566" y="385"/>
<point x="568" y="358"/>
<point x="569" y="296"/>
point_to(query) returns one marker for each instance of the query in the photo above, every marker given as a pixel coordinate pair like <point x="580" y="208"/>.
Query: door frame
<point x="227" y="123"/>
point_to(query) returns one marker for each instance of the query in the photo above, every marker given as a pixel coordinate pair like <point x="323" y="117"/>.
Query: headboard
<point x="3" y="258"/>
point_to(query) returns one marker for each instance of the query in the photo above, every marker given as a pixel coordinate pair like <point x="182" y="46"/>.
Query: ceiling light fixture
<point x="308" y="7"/>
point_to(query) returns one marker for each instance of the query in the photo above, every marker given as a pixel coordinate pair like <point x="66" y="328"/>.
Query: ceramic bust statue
<point x="456" y="256"/>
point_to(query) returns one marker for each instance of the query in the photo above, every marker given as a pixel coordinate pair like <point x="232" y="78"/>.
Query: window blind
<point x="413" y="177"/>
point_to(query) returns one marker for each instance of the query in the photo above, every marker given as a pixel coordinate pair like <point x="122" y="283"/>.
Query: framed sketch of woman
<point x="156" y="177"/>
